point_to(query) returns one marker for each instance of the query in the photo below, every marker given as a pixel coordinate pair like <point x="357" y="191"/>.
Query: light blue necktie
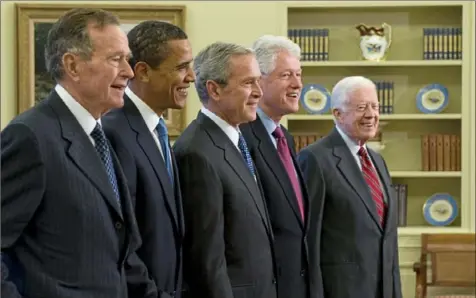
<point x="102" y="147"/>
<point x="163" y="136"/>
<point x="246" y="153"/>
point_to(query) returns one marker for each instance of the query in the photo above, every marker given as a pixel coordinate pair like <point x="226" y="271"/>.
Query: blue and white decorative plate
<point x="440" y="209"/>
<point x="432" y="98"/>
<point x="315" y="99"/>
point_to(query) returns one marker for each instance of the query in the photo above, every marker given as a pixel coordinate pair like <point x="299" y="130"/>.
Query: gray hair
<point x="343" y="88"/>
<point x="70" y="35"/>
<point x="267" y="48"/>
<point x="212" y="64"/>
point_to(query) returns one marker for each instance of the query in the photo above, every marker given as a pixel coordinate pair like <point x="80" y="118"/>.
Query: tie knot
<point x="278" y="132"/>
<point x="362" y="152"/>
<point x="97" y="133"/>
<point x="162" y="128"/>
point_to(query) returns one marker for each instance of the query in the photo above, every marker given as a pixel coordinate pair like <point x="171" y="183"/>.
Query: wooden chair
<point x="449" y="260"/>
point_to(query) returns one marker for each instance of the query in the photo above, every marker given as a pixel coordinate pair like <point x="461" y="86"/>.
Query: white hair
<point x="343" y="88"/>
<point x="267" y="48"/>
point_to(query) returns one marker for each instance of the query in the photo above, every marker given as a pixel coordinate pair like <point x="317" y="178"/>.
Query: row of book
<point x="442" y="43"/>
<point x="385" y="96"/>
<point x="302" y="140"/>
<point x="314" y="43"/>
<point x="402" y="194"/>
<point x="441" y="152"/>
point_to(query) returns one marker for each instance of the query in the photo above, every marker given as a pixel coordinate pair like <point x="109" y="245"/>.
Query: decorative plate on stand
<point x="315" y="99"/>
<point x="440" y="209"/>
<point x="432" y="99"/>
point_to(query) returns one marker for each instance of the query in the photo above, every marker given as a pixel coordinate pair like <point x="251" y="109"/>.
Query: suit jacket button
<point x="303" y="272"/>
<point x="118" y="225"/>
<point x="274" y="281"/>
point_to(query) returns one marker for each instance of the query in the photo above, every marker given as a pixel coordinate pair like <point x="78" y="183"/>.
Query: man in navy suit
<point x="272" y="149"/>
<point x="161" y="61"/>
<point x="68" y="229"/>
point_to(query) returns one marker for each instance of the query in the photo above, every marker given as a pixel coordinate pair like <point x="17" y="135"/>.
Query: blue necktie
<point x="163" y="136"/>
<point x="102" y="148"/>
<point x="246" y="154"/>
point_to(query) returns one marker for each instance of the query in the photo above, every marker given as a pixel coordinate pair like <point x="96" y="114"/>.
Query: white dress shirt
<point x="230" y="131"/>
<point x="85" y="119"/>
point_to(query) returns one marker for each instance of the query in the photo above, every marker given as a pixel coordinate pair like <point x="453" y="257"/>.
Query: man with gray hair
<point x="359" y="249"/>
<point x="68" y="229"/>
<point x="272" y="149"/>
<point x="228" y="241"/>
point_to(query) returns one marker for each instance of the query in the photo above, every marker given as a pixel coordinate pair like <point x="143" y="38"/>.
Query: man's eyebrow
<point x="184" y="63"/>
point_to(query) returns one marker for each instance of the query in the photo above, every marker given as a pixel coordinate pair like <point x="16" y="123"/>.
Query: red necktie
<point x="285" y="156"/>
<point x="371" y="177"/>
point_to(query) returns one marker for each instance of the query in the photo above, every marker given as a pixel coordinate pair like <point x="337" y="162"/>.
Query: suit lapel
<point x="380" y="167"/>
<point x="82" y="152"/>
<point x="150" y="149"/>
<point x="271" y="157"/>
<point x="236" y="162"/>
<point x="178" y="194"/>
<point x="300" y="177"/>
<point x="350" y="171"/>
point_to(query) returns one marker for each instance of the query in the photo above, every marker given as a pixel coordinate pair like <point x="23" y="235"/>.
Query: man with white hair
<point x="272" y="149"/>
<point x="359" y="249"/>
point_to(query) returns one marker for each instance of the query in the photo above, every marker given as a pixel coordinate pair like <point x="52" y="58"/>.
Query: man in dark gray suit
<point x="359" y="241"/>
<point x="272" y="149"/>
<point x="228" y="239"/>
<point x="68" y="229"/>
<point x="162" y="58"/>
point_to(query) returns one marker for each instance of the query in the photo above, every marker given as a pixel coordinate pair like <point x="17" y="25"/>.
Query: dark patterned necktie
<point x="102" y="148"/>
<point x="246" y="153"/>
<point x="371" y="177"/>
<point x="286" y="159"/>
<point x="163" y="135"/>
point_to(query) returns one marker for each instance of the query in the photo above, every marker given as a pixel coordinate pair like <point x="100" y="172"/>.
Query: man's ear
<point x="214" y="90"/>
<point x="142" y="72"/>
<point x="337" y="114"/>
<point x="71" y="65"/>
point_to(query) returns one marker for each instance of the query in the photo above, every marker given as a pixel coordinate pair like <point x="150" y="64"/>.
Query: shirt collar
<point x="353" y="146"/>
<point x="85" y="119"/>
<point x="150" y="117"/>
<point x="268" y="123"/>
<point x="230" y="131"/>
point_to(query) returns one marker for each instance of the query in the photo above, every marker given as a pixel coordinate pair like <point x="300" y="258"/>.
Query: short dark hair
<point x="148" y="41"/>
<point x="70" y="34"/>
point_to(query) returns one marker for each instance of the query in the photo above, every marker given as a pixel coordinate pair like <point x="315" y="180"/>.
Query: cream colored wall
<point x="207" y="22"/>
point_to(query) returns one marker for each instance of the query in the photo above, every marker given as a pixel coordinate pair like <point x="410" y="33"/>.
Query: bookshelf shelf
<point x="418" y="230"/>
<point x="394" y="63"/>
<point x="383" y="117"/>
<point x="425" y="174"/>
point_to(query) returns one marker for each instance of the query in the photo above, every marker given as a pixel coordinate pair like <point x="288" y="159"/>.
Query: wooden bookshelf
<point x="405" y="66"/>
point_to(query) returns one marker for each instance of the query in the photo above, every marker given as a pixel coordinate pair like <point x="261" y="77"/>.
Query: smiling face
<point x="169" y="83"/>
<point x="359" y="117"/>
<point x="282" y="87"/>
<point x="238" y="100"/>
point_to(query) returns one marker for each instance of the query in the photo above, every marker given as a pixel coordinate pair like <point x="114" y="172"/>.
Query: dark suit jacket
<point x="63" y="233"/>
<point x="228" y="238"/>
<point x="359" y="258"/>
<point x="297" y="277"/>
<point x="157" y="202"/>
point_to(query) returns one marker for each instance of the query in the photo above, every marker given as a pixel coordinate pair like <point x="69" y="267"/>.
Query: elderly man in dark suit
<point x="228" y="238"/>
<point x="162" y="58"/>
<point x="272" y="149"/>
<point x="359" y="241"/>
<point x="68" y="229"/>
